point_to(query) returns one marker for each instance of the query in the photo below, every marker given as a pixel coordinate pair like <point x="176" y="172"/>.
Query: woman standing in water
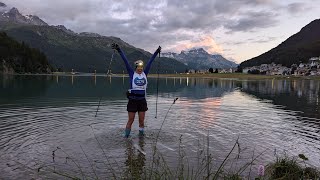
<point x="137" y="92"/>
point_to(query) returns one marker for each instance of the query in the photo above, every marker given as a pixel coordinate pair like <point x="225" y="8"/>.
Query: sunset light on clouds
<point x="206" y="42"/>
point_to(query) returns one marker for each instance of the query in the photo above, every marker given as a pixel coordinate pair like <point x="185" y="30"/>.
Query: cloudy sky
<point x="237" y="29"/>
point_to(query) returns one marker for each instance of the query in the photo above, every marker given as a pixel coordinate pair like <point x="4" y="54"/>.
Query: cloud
<point x="234" y="6"/>
<point x="297" y="8"/>
<point x="264" y="40"/>
<point x="256" y="40"/>
<point x="252" y="21"/>
<point x="150" y="16"/>
<point x="206" y="42"/>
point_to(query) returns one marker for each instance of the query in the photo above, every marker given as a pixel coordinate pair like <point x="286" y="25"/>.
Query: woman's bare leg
<point x="141" y="119"/>
<point x="131" y="116"/>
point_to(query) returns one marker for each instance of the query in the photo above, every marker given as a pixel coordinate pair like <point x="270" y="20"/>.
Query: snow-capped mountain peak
<point x="14" y="11"/>
<point x="169" y="54"/>
<point x="13" y="15"/>
<point x="197" y="51"/>
<point x="198" y="58"/>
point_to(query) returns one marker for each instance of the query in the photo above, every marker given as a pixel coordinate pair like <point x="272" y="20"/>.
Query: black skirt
<point x="137" y="105"/>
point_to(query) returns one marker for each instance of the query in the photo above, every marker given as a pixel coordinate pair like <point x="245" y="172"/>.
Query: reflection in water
<point x="300" y="96"/>
<point x="297" y="95"/>
<point x="72" y="79"/>
<point x="211" y="113"/>
<point x="135" y="158"/>
<point x="187" y="81"/>
<point x="20" y="87"/>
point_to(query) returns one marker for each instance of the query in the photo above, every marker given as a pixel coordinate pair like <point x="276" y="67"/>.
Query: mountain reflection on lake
<point x="40" y="115"/>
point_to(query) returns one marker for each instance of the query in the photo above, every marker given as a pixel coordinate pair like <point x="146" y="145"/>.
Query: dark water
<point x="45" y="115"/>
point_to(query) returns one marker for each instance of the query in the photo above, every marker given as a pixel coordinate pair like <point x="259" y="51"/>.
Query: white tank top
<point x="139" y="81"/>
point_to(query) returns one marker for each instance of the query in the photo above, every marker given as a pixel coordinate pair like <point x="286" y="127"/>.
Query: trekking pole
<point x="98" y="106"/>
<point x="109" y="70"/>
<point x="157" y="87"/>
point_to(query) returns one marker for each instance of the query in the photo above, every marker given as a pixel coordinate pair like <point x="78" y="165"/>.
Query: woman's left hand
<point x="159" y="49"/>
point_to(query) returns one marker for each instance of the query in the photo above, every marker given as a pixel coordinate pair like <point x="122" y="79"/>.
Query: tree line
<point x="20" y="58"/>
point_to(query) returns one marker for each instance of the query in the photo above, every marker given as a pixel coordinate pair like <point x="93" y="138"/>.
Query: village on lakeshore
<point x="312" y="68"/>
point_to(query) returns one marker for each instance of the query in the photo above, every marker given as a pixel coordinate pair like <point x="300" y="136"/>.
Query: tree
<point x="293" y="69"/>
<point x="211" y="70"/>
<point x="255" y="71"/>
<point x="239" y="69"/>
<point x="216" y="71"/>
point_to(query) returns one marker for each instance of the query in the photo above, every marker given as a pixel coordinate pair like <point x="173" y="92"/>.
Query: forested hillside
<point x="18" y="57"/>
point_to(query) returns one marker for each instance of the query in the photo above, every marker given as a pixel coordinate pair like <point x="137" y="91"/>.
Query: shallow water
<point x="45" y="115"/>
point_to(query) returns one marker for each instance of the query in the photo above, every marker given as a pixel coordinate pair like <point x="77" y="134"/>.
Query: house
<point x="230" y="70"/>
<point x="245" y="70"/>
<point x="314" y="61"/>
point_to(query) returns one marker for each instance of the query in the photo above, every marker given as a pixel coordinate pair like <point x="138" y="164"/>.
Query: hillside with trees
<point x="18" y="57"/>
<point x="298" y="48"/>
<point x="67" y="50"/>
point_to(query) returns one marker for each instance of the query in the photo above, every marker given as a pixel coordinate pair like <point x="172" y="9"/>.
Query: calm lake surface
<point x="45" y="115"/>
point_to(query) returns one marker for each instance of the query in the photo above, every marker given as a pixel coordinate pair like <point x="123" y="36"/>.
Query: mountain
<point x="83" y="52"/>
<point x="201" y="59"/>
<point x="17" y="57"/>
<point x="13" y="15"/>
<point x="300" y="47"/>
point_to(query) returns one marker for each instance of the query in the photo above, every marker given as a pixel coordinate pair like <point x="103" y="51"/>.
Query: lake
<point x="74" y="124"/>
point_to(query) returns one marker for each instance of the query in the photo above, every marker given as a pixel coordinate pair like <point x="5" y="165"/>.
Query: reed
<point x="283" y="167"/>
<point x="291" y="168"/>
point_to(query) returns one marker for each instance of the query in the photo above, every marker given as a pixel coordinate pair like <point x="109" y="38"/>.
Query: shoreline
<point x="213" y="75"/>
<point x="235" y="76"/>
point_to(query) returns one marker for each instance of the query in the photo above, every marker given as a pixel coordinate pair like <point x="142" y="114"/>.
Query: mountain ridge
<point x="299" y="47"/>
<point x="85" y="52"/>
<point x="199" y="58"/>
